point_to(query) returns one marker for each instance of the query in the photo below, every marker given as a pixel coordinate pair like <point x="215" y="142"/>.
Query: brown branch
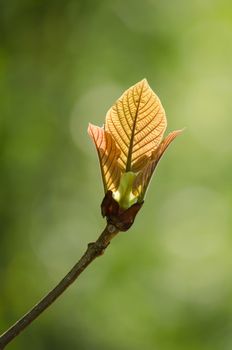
<point x="94" y="250"/>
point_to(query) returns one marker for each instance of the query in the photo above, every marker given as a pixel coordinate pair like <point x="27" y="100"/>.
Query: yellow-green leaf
<point x="108" y="154"/>
<point x="137" y="123"/>
<point x="124" y="195"/>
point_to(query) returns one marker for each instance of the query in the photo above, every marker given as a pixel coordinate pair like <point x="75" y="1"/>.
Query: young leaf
<point x="129" y="147"/>
<point x="137" y="123"/>
<point x="143" y="178"/>
<point x="108" y="154"/>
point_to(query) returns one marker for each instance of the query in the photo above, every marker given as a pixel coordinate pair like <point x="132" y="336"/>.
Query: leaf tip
<point x="144" y="81"/>
<point x="90" y="125"/>
<point x="178" y="132"/>
<point x="90" y="129"/>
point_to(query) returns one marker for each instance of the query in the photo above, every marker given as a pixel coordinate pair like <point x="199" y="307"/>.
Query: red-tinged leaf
<point x="108" y="154"/>
<point x="166" y="142"/>
<point x="144" y="177"/>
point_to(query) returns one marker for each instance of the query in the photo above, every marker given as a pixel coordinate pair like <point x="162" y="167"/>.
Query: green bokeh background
<point x="167" y="283"/>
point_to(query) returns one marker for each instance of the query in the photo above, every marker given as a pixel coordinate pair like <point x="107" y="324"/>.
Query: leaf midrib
<point x="130" y="149"/>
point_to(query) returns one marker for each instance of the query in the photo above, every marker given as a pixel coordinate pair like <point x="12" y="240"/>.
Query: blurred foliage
<point x="166" y="284"/>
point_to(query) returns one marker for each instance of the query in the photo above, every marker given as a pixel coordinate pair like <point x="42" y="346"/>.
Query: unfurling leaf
<point x="108" y="154"/>
<point x="129" y="148"/>
<point x="144" y="177"/>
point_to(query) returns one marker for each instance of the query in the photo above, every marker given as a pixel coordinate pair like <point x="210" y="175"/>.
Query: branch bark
<point x="94" y="250"/>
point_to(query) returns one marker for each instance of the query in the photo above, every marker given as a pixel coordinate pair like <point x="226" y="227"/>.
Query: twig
<point x="94" y="250"/>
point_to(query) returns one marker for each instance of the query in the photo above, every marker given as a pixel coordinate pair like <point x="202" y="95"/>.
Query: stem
<point x="94" y="250"/>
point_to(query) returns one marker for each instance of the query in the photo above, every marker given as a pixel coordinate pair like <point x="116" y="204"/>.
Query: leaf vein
<point x="130" y="150"/>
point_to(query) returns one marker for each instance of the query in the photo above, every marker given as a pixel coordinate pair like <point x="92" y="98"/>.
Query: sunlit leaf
<point x="143" y="178"/>
<point x="129" y="147"/>
<point x="137" y="123"/>
<point x="166" y="142"/>
<point x="108" y="154"/>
